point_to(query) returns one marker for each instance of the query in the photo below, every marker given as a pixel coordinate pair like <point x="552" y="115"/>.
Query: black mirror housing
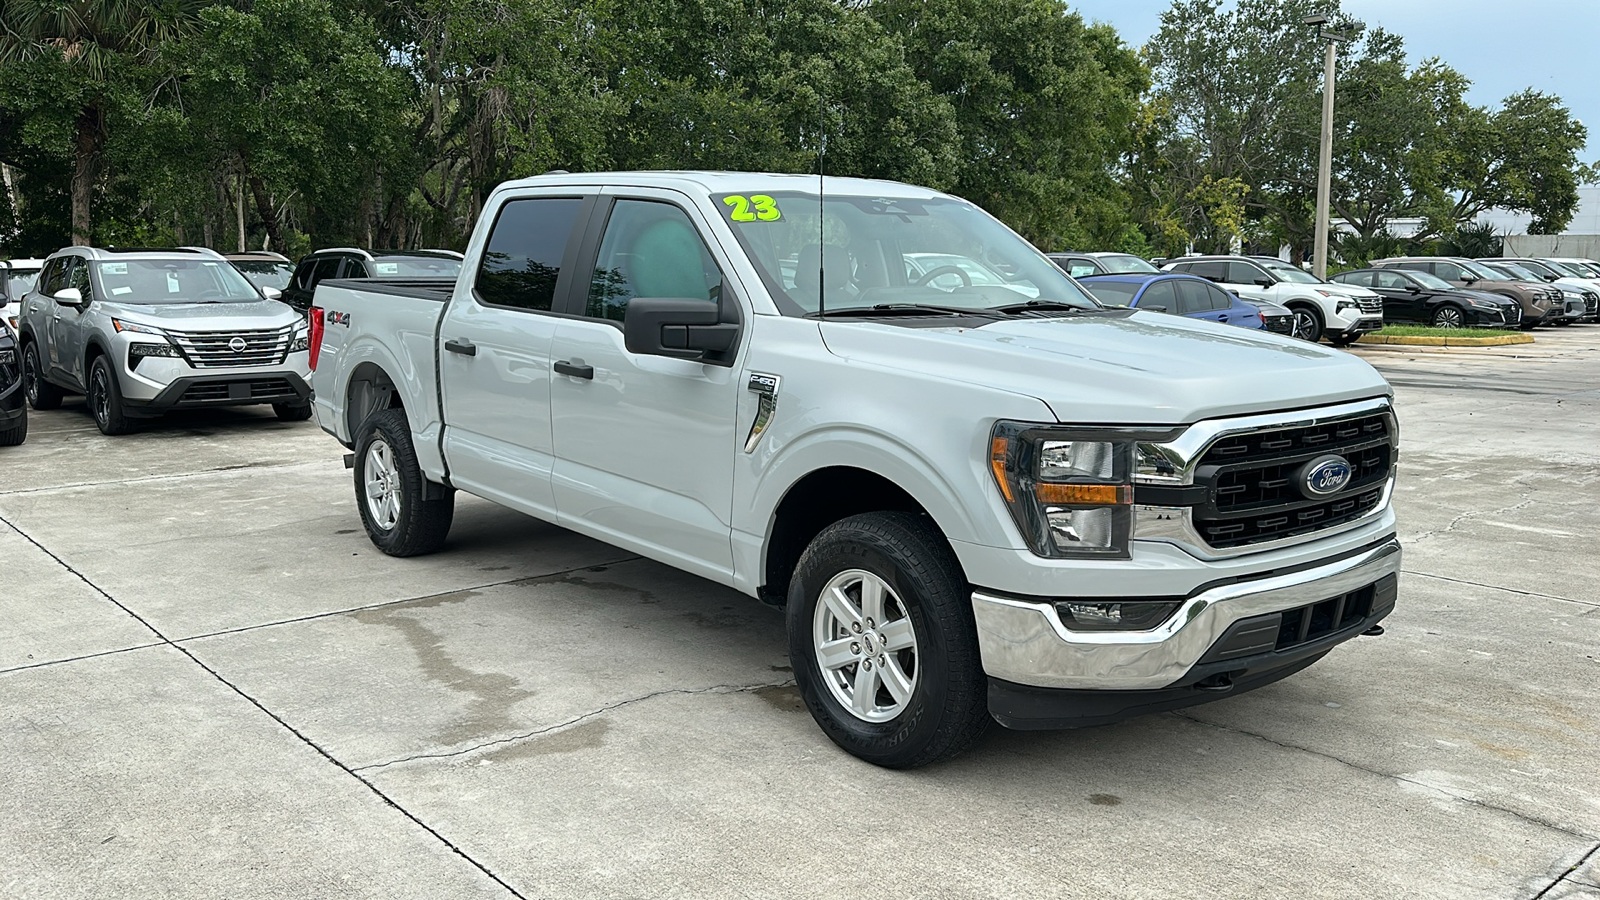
<point x="679" y="327"/>
<point x="1264" y="282"/>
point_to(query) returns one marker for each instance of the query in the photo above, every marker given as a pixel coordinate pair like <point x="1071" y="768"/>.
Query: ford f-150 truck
<point x="975" y="498"/>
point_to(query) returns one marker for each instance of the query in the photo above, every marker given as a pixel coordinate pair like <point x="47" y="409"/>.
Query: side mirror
<point x="1413" y="289"/>
<point x="1468" y="278"/>
<point x="1264" y="282"/>
<point x="70" y="297"/>
<point x="677" y="327"/>
<point x="272" y="293"/>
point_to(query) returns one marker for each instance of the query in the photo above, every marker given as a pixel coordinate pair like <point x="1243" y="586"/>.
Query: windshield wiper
<point x="1013" y="308"/>
<point x="899" y="309"/>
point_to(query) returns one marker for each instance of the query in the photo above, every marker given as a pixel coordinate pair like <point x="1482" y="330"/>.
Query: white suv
<point x="139" y="332"/>
<point x="1339" y="312"/>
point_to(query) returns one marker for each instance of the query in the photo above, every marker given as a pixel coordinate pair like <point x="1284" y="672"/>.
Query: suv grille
<point x="1252" y="477"/>
<point x="216" y="349"/>
<point x="1370" y="304"/>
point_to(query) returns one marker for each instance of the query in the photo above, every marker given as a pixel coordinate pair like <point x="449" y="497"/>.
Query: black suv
<point x="1415" y="296"/>
<point x="349" y="262"/>
<point x="13" y="411"/>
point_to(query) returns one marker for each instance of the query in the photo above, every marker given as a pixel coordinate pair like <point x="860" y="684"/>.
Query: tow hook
<point x="1374" y="631"/>
<point x="1219" y="683"/>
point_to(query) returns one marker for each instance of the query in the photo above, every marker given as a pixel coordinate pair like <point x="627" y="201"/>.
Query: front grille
<point x="1253" y="479"/>
<point x="1370" y="304"/>
<point x="1318" y="620"/>
<point x="271" y="389"/>
<point x="1278" y="324"/>
<point x="205" y="393"/>
<point x="265" y="389"/>
<point x="1512" y="314"/>
<point x="217" y="349"/>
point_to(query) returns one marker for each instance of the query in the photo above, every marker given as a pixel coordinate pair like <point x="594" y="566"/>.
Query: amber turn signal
<point x="1085" y="494"/>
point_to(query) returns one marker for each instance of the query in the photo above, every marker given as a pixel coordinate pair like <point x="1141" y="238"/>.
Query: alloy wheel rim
<point x="30" y="376"/>
<point x="1305" y="326"/>
<point x="1447" y="318"/>
<point x="101" y="399"/>
<point x="865" y="646"/>
<point x="382" y="485"/>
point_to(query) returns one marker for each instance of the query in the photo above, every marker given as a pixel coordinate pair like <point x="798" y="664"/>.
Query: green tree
<point x="77" y="65"/>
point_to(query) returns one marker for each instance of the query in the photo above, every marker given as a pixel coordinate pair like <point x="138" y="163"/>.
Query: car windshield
<point x="1429" y="280"/>
<point x="18" y="282"/>
<point x="1517" y="273"/>
<point x="1540" y="270"/>
<point x="1484" y="272"/>
<point x="265" y="273"/>
<point x="1124" y="263"/>
<point x="415" y="267"/>
<point x="1285" y="272"/>
<point x="177" y="280"/>
<point x="1112" y="293"/>
<point x="861" y="252"/>
<point x="1569" y="268"/>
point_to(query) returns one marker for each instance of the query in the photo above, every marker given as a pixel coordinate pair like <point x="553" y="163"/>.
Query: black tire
<point x="105" y="399"/>
<point x="289" y="412"/>
<point x="946" y="709"/>
<point x="1343" y="340"/>
<point x="1449" y="316"/>
<point x="415" y="523"/>
<point x="16" y="432"/>
<point x="41" y="393"/>
<point x="1307" y="324"/>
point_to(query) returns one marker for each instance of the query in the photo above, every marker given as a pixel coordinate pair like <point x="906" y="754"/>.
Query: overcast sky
<point x="1504" y="46"/>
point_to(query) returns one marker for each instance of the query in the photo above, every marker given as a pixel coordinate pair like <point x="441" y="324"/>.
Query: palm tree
<point x="100" y="42"/>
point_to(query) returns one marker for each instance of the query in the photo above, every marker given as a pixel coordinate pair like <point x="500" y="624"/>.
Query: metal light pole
<point x="1345" y="34"/>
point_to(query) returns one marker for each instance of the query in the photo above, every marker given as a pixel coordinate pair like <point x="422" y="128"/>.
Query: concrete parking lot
<point x="212" y="685"/>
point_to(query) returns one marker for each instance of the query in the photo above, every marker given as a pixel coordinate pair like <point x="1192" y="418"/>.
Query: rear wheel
<point x="1307" y="324"/>
<point x="1449" y="317"/>
<point x="41" y="393"/>
<point x="883" y="643"/>
<point x="403" y="513"/>
<point x="289" y="412"/>
<point x="105" y="399"/>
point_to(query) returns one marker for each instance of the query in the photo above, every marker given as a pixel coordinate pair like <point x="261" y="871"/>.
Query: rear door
<point x="494" y="362"/>
<point x="1194" y="300"/>
<point x="644" y="445"/>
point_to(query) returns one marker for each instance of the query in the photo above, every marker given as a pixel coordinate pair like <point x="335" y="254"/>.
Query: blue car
<point x="1183" y="295"/>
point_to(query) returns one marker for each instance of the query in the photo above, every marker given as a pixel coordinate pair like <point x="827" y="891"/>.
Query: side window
<point x="1220" y="299"/>
<point x="1448" y="271"/>
<point x="1360" y="279"/>
<point x="522" y="259"/>
<point x="54" y="277"/>
<point x="1211" y="271"/>
<point x="302" y="275"/>
<point x="1080" y="269"/>
<point x="1192" y="297"/>
<point x="78" y="277"/>
<point x="1160" y="295"/>
<point x="327" y="267"/>
<point x="1243" y="273"/>
<point x="650" y="249"/>
<point x="1393" y="281"/>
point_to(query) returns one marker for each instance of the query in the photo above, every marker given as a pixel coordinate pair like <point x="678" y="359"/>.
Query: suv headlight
<point x="302" y="338"/>
<point x="136" y="328"/>
<point x="1070" y="490"/>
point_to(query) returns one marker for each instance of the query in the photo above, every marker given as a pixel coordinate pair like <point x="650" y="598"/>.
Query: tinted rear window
<point x="523" y="258"/>
<point x="1112" y="293"/>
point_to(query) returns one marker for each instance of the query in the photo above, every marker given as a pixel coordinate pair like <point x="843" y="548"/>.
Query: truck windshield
<point x="872" y="251"/>
<point x="162" y="281"/>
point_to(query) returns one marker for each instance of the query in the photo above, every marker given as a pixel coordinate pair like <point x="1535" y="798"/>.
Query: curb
<point x="1421" y="341"/>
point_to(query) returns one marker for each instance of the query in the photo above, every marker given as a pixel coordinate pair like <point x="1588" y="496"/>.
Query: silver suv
<point x="140" y="332"/>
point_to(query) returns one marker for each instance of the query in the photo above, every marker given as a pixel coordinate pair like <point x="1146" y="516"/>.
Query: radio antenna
<point x="822" y="247"/>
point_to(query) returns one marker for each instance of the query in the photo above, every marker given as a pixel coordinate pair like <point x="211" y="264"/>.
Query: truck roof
<point x="729" y="183"/>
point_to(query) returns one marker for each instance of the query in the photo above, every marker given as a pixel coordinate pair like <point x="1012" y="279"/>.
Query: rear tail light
<point x="314" y="315"/>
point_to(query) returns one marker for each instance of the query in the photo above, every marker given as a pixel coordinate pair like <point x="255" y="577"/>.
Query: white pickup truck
<point x="977" y="496"/>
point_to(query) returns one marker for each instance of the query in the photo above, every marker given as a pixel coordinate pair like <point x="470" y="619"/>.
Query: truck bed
<point x="436" y="289"/>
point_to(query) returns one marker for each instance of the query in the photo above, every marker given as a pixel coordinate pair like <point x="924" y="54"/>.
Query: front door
<point x="1400" y="304"/>
<point x="644" y="445"/>
<point x="71" y="335"/>
<point x="494" y="362"/>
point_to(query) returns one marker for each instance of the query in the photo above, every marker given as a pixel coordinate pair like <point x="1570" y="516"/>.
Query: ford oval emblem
<point x="1327" y="475"/>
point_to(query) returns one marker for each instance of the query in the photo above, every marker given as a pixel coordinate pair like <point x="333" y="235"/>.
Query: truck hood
<point x="258" y="314"/>
<point x="1137" y="368"/>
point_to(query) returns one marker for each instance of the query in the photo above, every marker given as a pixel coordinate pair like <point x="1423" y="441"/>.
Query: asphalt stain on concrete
<point x="567" y="578"/>
<point x="720" y="620"/>
<point x="1105" y="799"/>
<point x="492" y="695"/>
<point x="587" y="736"/>
<point x="782" y="697"/>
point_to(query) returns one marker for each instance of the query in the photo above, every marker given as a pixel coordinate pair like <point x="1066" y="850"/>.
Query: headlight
<point x="1069" y="490"/>
<point x="1483" y="304"/>
<point x="140" y="349"/>
<point x="8" y="357"/>
<point x="136" y="328"/>
<point x="1347" y="306"/>
<point x="302" y="339"/>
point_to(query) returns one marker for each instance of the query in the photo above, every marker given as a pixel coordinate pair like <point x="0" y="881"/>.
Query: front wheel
<point x="400" y="516"/>
<point x="883" y="643"/>
<point x="41" y="393"/>
<point x="105" y="399"/>
<point x="1448" y="317"/>
<point x="1307" y="324"/>
<point x="16" y="432"/>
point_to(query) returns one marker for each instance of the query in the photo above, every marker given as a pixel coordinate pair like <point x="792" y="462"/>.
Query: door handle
<point x="563" y="367"/>
<point x="462" y="346"/>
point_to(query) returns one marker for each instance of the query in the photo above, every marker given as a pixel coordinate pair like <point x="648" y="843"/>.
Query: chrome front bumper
<point x="1024" y="641"/>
